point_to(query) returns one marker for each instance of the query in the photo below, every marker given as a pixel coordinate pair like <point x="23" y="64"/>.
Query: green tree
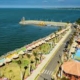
<point x="36" y="57"/>
<point x="25" y="66"/>
<point x="78" y="21"/>
<point x="55" y="36"/>
<point x="40" y="54"/>
<point x="19" y="64"/>
<point x="29" y="56"/>
<point x="60" y="28"/>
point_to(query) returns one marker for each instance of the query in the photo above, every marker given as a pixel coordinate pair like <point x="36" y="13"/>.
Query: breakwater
<point x="42" y="23"/>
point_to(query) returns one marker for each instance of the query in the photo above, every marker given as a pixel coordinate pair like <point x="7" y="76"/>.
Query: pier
<point x="43" y="23"/>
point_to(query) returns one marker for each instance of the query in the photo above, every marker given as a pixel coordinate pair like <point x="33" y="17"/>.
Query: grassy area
<point x="44" y="48"/>
<point x="13" y="69"/>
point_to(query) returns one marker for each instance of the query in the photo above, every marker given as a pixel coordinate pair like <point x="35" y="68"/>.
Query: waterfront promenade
<point x="40" y="69"/>
<point x="43" y="23"/>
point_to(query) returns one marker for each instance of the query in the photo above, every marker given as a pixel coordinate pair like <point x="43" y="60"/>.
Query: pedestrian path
<point x="48" y="72"/>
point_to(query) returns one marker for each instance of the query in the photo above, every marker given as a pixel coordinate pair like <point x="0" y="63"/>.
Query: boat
<point x="42" y="23"/>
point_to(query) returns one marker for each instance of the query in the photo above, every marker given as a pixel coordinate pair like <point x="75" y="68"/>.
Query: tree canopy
<point x="78" y="21"/>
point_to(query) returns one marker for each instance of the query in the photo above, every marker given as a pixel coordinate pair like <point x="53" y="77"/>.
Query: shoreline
<point x="44" y="38"/>
<point x="2" y="56"/>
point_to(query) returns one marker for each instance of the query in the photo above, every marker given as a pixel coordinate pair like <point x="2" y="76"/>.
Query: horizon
<point x="41" y="7"/>
<point x="39" y="3"/>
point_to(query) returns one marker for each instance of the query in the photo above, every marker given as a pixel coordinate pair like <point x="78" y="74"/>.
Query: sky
<point x="39" y="3"/>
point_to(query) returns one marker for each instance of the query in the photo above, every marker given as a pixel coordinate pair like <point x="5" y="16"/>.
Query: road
<point x="46" y="74"/>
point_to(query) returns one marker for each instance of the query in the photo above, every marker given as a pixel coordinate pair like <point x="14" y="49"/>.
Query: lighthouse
<point x="23" y="19"/>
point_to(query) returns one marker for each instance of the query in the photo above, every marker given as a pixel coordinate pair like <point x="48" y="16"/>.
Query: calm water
<point x="13" y="35"/>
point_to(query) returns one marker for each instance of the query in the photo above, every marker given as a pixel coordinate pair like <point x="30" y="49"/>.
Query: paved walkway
<point x="37" y="71"/>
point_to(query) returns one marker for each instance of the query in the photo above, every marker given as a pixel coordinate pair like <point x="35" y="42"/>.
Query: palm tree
<point x="78" y="21"/>
<point x="40" y="56"/>
<point x="25" y="66"/>
<point x="32" y="61"/>
<point x="29" y="56"/>
<point x="60" y="28"/>
<point x="19" y="63"/>
<point x="35" y="54"/>
<point x="55" y="36"/>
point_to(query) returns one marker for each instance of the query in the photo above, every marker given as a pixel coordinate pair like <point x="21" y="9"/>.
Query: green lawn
<point x="12" y="70"/>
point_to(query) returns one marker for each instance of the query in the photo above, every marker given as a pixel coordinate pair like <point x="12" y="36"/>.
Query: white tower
<point x="23" y="19"/>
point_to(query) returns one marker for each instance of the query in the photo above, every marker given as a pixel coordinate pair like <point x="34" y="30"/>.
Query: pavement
<point x="48" y="70"/>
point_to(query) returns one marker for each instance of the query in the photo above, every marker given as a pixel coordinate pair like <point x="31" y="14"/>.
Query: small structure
<point x="22" y="22"/>
<point x="2" y="61"/>
<point x="23" y="19"/>
<point x="15" y="55"/>
<point x="47" y="38"/>
<point x="29" y="48"/>
<point x="71" y="68"/>
<point x="8" y="60"/>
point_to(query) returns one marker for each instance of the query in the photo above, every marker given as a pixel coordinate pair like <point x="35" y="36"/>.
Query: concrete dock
<point x="43" y="23"/>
